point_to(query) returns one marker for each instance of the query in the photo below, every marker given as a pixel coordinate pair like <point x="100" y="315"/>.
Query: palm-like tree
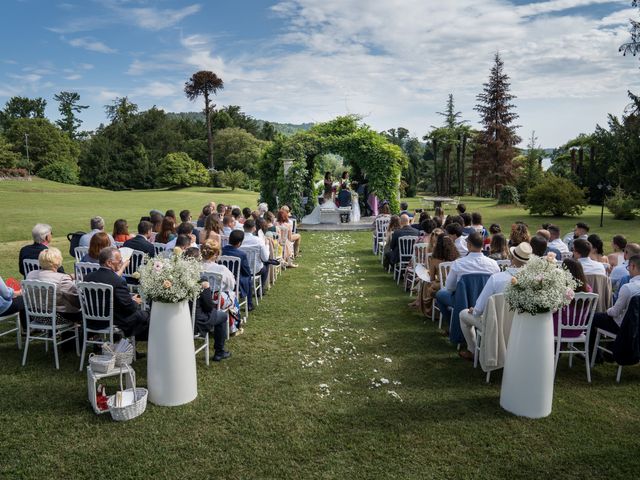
<point x="204" y="83"/>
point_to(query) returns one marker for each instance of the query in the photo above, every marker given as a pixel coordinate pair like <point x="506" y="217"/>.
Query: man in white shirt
<point x="251" y="240"/>
<point x="474" y="262"/>
<point x="185" y="228"/>
<point x="97" y="225"/>
<point x="555" y="241"/>
<point x="581" y="231"/>
<point x="620" y="271"/>
<point x="228" y="225"/>
<point x="581" y="251"/>
<point x="612" y="320"/>
<point x="454" y="230"/>
<point x="472" y="318"/>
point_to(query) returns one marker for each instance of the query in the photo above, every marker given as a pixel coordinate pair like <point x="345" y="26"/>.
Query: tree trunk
<point x="207" y="113"/>
<point x="447" y="172"/>
<point x="581" y="166"/>
<point x="435" y="166"/>
<point x="463" y="154"/>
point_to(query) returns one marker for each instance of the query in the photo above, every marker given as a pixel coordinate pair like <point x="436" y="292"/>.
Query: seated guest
<point x="67" y="300"/>
<point x="471" y="319"/>
<point x="212" y="230"/>
<point x="494" y="228"/>
<point x="97" y="225"/>
<point x="206" y="211"/>
<point x="404" y="210"/>
<point x="185" y="217"/>
<point x="156" y="221"/>
<point x="394" y="224"/>
<point x="581" y="252"/>
<point x="344" y="197"/>
<point x="618" y="244"/>
<point x="519" y="234"/>
<point x="467" y="229"/>
<point x="555" y="241"/>
<point x="99" y="241"/>
<point x="233" y="250"/>
<point x="443" y="251"/>
<point x="228" y="225"/>
<point x="538" y="245"/>
<point x="581" y="231"/>
<point x="171" y="214"/>
<point x="42" y="236"/>
<point x="141" y="241"/>
<point x="473" y="262"/>
<point x="168" y="230"/>
<point x="418" y="220"/>
<point x="186" y="229"/>
<point x="612" y="319"/>
<point x="246" y="214"/>
<point x="620" y="271"/>
<point x="498" y="249"/>
<point x="282" y="220"/>
<point x="461" y="208"/>
<point x="577" y="272"/>
<point x="550" y="249"/>
<point x="252" y="240"/>
<point x="597" y="251"/>
<point x="11" y="302"/>
<point x="236" y="213"/>
<point x="263" y="208"/>
<point x="476" y="223"/>
<point x="126" y="308"/>
<point x="210" y="252"/>
<point x="438" y="213"/>
<point x="406" y="230"/>
<point x="220" y="210"/>
<point x="454" y="230"/>
<point x="208" y="318"/>
<point x="121" y="231"/>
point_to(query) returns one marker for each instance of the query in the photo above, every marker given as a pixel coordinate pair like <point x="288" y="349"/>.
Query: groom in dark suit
<point x="126" y="309"/>
<point x="236" y="237"/>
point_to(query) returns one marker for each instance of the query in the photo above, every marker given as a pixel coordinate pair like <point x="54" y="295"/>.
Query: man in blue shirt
<point x="236" y="237"/>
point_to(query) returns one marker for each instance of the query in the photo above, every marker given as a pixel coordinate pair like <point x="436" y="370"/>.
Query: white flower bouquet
<point x="170" y="280"/>
<point x="540" y="286"/>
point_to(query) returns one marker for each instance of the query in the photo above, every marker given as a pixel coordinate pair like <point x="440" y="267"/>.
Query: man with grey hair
<point x="42" y="235"/>
<point x="97" y="225"/>
<point x="263" y="208"/>
<point x="393" y="255"/>
<point x="126" y="308"/>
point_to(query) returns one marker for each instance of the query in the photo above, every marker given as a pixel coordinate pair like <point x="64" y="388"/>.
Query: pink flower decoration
<point x="158" y="266"/>
<point x="569" y="294"/>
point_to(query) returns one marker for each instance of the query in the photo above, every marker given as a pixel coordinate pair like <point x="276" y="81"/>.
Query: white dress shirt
<point x="250" y="240"/>
<point x="474" y="262"/>
<point x="558" y="245"/>
<point x="591" y="267"/>
<point x="461" y="245"/>
<point x="618" y="273"/>
<point x="226" y="231"/>
<point x="628" y="290"/>
<point x="497" y="283"/>
<point x="85" y="240"/>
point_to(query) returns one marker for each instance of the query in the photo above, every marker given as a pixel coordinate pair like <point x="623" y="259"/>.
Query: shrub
<point x="63" y="172"/>
<point x="508" y="195"/>
<point x="13" y="173"/>
<point x="556" y="196"/>
<point x="233" y="178"/>
<point x="180" y="170"/>
<point x="622" y="206"/>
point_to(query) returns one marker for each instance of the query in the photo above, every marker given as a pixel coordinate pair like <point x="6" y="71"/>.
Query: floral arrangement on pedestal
<point x="170" y="280"/>
<point x="540" y="287"/>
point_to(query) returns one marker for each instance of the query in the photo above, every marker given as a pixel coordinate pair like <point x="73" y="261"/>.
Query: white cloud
<point x="73" y="76"/>
<point x="90" y="44"/>
<point x="157" y="19"/>
<point x="560" y="5"/>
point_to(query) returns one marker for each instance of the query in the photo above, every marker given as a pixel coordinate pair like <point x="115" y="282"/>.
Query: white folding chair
<point x="96" y="304"/>
<point x="14" y="317"/>
<point x="443" y="271"/>
<point x="159" y="248"/>
<point x="136" y="261"/>
<point x="380" y="228"/>
<point x="405" y="248"/>
<point x="233" y="264"/>
<point x="224" y="241"/>
<point x="83" y="268"/>
<point x="253" y="254"/>
<point x="215" y="283"/>
<point x="80" y="252"/>
<point x="577" y="317"/>
<point x="29" y="265"/>
<point x="420" y="257"/>
<point x="42" y="318"/>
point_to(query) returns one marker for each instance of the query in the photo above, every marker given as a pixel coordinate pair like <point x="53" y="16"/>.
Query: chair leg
<point x="619" y="374"/>
<point x="206" y="349"/>
<point x="571" y="355"/>
<point x="595" y="349"/>
<point x="18" y="332"/>
<point x="488" y="376"/>
<point x="26" y="347"/>
<point x="55" y="350"/>
<point x="77" y="342"/>
<point x="557" y="355"/>
<point x="84" y="348"/>
<point x="587" y="362"/>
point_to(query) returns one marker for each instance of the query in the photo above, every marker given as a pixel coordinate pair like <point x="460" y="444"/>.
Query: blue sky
<point x="393" y="62"/>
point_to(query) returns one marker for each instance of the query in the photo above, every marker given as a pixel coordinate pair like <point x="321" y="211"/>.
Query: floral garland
<point x="540" y="287"/>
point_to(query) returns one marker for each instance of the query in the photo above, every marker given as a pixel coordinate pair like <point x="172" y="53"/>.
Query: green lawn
<point x="334" y="378"/>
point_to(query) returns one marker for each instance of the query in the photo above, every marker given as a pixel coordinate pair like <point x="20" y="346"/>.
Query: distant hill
<point x="284" y="128"/>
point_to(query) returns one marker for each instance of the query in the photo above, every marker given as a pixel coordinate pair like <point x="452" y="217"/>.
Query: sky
<point x="394" y="62"/>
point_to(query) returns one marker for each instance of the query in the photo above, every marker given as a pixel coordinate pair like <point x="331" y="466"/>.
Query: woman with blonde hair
<point x="292" y="243"/>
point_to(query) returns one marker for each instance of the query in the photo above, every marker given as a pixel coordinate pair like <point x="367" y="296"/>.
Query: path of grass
<point x="334" y="378"/>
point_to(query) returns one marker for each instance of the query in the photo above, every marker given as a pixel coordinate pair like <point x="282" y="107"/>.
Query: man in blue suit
<point x="236" y="237"/>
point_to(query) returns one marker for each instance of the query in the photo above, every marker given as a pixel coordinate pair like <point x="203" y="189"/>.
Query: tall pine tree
<point x="497" y="141"/>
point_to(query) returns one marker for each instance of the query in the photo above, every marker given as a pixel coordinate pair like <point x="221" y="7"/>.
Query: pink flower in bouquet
<point x="539" y="278"/>
<point x="158" y="266"/>
<point x="514" y="280"/>
<point x="167" y="284"/>
<point x="569" y="294"/>
<point x="551" y="257"/>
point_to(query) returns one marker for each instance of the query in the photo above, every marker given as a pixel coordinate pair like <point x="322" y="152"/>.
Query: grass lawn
<point x="334" y="378"/>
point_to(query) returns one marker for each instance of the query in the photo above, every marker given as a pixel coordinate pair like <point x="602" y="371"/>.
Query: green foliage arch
<point x="367" y="153"/>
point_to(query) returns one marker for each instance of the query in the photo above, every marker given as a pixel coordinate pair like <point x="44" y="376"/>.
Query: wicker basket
<point x="101" y="363"/>
<point x="131" y="411"/>
<point x="122" y="358"/>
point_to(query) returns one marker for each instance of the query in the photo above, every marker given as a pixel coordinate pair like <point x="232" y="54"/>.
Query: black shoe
<point x="251" y="308"/>
<point x="222" y="356"/>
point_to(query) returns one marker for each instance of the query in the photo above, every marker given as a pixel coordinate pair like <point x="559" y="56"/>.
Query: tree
<point x="8" y="157"/>
<point x="233" y="178"/>
<point x="22" y="107"/>
<point x="120" y="110"/>
<point x="632" y="46"/>
<point x="179" y="170"/>
<point x="62" y="172"/>
<point x="204" y="83"/>
<point x="47" y="143"/>
<point x="531" y="166"/>
<point x="238" y="150"/>
<point x="68" y="108"/>
<point x="268" y="132"/>
<point x="498" y="138"/>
